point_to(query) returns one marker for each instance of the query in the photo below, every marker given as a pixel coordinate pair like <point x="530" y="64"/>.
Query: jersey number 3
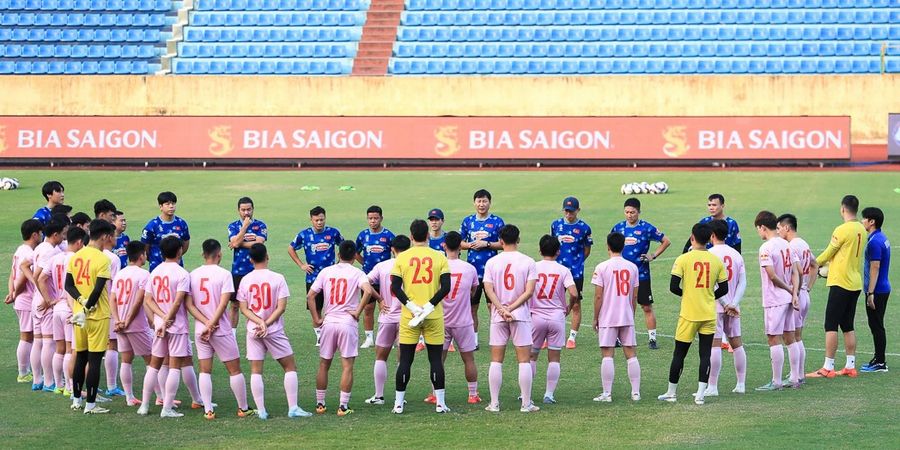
<point x="423" y="270"/>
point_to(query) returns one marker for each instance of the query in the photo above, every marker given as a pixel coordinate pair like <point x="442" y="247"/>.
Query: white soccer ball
<point x="627" y="189"/>
<point x="653" y="189"/>
<point x="661" y="187"/>
<point x="645" y="187"/>
<point x="823" y="271"/>
<point x="6" y="184"/>
<point x="635" y="188"/>
<point x="15" y="183"/>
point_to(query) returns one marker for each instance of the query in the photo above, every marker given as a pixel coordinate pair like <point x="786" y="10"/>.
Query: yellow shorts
<point x="432" y="329"/>
<point x="688" y="329"/>
<point x="94" y="337"/>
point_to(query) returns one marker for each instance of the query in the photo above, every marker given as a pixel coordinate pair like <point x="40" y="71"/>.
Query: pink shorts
<point x="138" y="342"/>
<point x="43" y="325"/>
<point x="800" y="316"/>
<point x="518" y="331"/>
<point x="62" y="329"/>
<point x="779" y="319"/>
<point x="176" y="345"/>
<point x="727" y="326"/>
<point x="337" y="337"/>
<point x="276" y="344"/>
<point x="464" y="337"/>
<point x="223" y="345"/>
<point x="552" y="331"/>
<point x="607" y="336"/>
<point x="387" y="334"/>
<point x="26" y="323"/>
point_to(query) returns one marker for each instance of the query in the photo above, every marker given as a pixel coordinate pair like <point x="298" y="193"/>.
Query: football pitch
<point x="841" y="412"/>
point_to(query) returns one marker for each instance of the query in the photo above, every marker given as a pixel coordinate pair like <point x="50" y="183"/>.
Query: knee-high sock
<point x="802" y="359"/>
<point x="715" y="365"/>
<point x="111" y="363"/>
<point x="67" y="370"/>
<point x="127" y="377"/>
<point x="794" y="361"/>
<point x="206" y="391"/>
<point x="23" y="356"/>
<point x="525" y="380"/>
<point x="92" y="381"/>
<point x="190" y="382"/>
<point x="704" y="347"/>
<point x="47" y="352"/>
<point x="607" y="374"/>
<point x="58" y="378"/>
<point x="36" y="368"/>
<point x="740" y="364"/>
<point x="777" y="355"/>
<point x="553" y="371"/>
<point x="290" y="388"/>
<point x="258" y="389"/>
<point x="161" y="377"/>
<point x="380" y="372"/>
<point x="239" y="388"/>
<point x="150" y="384"/>
<point x="172" y="382"/>
<point x="407" y="355"/>
<point x="345" y="399"/>
<point x="495" y="380"/>
<point x="436" y="365"/>
<point x="634" y="374"/>
<point x="78" y="374"/>
<point x="678" y="354"/>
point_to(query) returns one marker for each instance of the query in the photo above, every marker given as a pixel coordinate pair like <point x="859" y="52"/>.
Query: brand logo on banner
<point x="509" y="138"/>
<point x="893" y="135"/>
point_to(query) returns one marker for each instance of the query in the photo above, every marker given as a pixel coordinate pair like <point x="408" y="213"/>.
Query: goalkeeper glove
<point x="413" y="308"/>
<point x="78" y="319"/>
<point x="426" y="310"/>
<point x="84" y="301"/>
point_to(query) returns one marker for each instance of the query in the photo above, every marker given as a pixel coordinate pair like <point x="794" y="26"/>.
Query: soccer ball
<point x="661" y="187"/>
<point x="8" y="184"/>
<point x="645" y="187"/>
<point x="654" y="189"/>
<point x="635" y="188"/>
<point x="627" y="189"/>
<point x="823" y="271"/>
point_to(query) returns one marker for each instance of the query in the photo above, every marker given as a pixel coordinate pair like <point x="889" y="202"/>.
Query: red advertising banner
<point x="537" y="138"/>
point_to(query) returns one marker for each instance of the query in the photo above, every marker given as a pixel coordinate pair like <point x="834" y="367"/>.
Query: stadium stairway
<point x="378" y="36"/>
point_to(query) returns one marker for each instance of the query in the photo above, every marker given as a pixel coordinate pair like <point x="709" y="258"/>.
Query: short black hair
<point x="53" y="227"/>
<point x="874" y="214"/>
<point x="103" y="206"/>
<point x="766" y="219"/>
<point x="509" y="234"/>
<point x="719" y="197"/>
<point x="166" y="197"/>
<point x="616" y="242"/>
<point x="80" y="218"/>
<point x="30" y="227"/>
<point x="453" y="240"/>
<point x="134" y="250"/>
<point x="75" y="234"/>
<point x="50" y="187"/>
<point x="549" y="245"/>
<point x="401" y="243"/>
<point x="60" y="217"/>
<point x="347" y="250"/>
<point x="375" y="209"/>
<point x="719" y="228"/>
<point x="170" y="245"/>
<point x="244" y="201"/>
<point x="633" y="202"/>
<point x="99" y="228"/>
<point x="788" y="219"/>
<point x="850" y="203"/>
<point x="211" y="247"/>
<point x="61" y="209"/>
<point x="482" y="193"/>
<point x="258" y="253"/>
<point x="119" y="213"/>
<point x="418" y="230"/>
<point x="701" y="233"/>
<point x="316" y="211"/>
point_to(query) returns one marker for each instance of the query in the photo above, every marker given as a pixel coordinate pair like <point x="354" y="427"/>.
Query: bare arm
<point x="43" y="285"/>
<point x="311" y="306"/>
<point x="150" y="304"/>
<point x="308" y="268"/>
<point x="245" y="310"/>
<point x="874" y="268"/>
<point x="529" y="291"/>
<point x="770" y="272"/>
<point x="238" y="239"/>
<point x="573" y="297"/>
<point x="279" y="310"/>
<point x="662" y="248"/>
<point x="598" y="303"/>
<point x="185" y="247"/>
<point x="814" y="270"/>
<point x="194" y="311"/>
<point x="224" y="300"/>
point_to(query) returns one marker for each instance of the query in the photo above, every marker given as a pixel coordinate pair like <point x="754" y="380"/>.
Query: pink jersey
<point x="340" y="285"/>
<point x="800" y="248"/>
<point x="734" y="268"/>
<point x="41" y="257"/>
<point x="129" y="285"/>
<point x="458" y="303"/>
<point x="509" y="272"/>
<point x="114" y="265"/>
<point x="56" y="270"/>
<point x="550" y="300"/>
<point x="381" y="275"/>
<point x="776" y="253"/>
<point x="208" y="283"/>
<point x="23" y="300"/>
<point x="166" y="281"/>
<point x="261" y="289"/>
<point x="619" y="278"/>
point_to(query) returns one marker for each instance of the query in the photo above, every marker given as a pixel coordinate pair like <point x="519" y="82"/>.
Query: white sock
<point x="572" y="335"/>
<point x="851" y="362"/>
<point x="701" y="389"/>
<point x="399" y="397"/>
<point x="369" y="334"/>
<point x="672" y="388"/>
<point x="829" y="363"/>
<point x="421" y="339"/>
<point x="234" y="332"/>
<point x="652" y="334"/>
<point x="439" y="395"/>
<point x="318" y="332"/>
<point x="476" y="338"/>
<point x="89" y="406"/>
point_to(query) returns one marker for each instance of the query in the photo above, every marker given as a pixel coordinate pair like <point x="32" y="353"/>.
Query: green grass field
<point x="842" y="412"/>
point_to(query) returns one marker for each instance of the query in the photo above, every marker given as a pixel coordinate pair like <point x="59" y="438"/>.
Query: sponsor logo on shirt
<point x="630" y="241"/>
<point x="576" y="231"/>
<point x="328" y="238"/>
<point x="255" y="228"/>
<point x="489" y="225"/>
<point x="480" y="234"/>
<point x="384" y="239"/>
<point x="249" y="236"/>
<point x="321" y="247"/>
<point x="375" y="249"/>
<point x="637" y="232"/>
<point x="567" y="239"/>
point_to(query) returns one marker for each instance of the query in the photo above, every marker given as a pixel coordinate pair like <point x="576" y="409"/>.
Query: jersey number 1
<point x="702" y="269"/>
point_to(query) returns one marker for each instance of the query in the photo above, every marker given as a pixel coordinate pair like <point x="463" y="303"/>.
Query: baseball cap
<point x="436" y="213"/>
<point x="570" y="204"/>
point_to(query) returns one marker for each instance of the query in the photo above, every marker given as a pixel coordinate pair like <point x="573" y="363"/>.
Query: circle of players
<point x="529" y="301"/>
